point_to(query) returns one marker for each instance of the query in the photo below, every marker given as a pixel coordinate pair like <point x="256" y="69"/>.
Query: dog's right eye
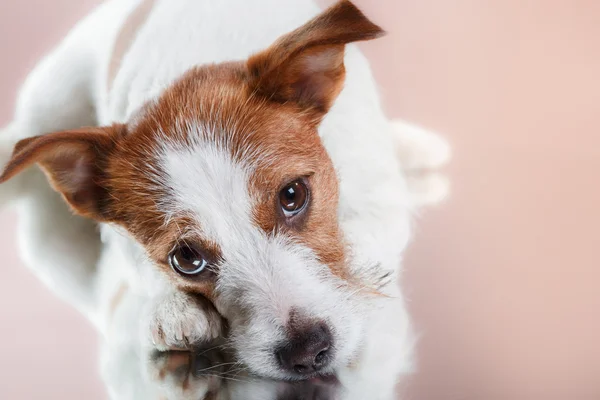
<point x="187" y="261"/>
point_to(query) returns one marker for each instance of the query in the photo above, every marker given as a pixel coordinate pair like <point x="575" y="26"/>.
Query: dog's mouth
<point x="319" y="378"/>
<point x="325" y="379"/>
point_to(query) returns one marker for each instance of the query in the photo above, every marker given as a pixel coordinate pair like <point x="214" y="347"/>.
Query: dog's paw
<point x="178" y="321"/>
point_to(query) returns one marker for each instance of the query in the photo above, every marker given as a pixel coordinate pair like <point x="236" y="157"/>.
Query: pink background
<point x="503" y="280"/>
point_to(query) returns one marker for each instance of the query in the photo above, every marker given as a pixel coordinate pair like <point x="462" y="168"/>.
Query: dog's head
<point x="224" y="181"/>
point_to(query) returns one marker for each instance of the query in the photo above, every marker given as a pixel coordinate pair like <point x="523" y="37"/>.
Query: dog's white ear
<point x="74" y="163"/>
<point x="306" y="66"/>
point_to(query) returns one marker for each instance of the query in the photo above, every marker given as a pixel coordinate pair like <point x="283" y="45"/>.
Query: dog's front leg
<point x="134" y="371"/>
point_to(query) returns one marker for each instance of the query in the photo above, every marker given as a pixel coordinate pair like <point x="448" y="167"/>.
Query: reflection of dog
<point x="202" y="374"/>
<point x="248" y="182"/>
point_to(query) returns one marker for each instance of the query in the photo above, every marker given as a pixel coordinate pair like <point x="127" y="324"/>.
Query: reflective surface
<point x="507" y="303"/>
<point x="206" y="373"/>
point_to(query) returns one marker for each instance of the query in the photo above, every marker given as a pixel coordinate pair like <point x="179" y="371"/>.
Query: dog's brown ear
<point x="74" y="162"/>
<point x="306" y="66"/>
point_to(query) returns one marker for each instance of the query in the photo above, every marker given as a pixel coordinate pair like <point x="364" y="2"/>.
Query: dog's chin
<point x="327" y="377"/>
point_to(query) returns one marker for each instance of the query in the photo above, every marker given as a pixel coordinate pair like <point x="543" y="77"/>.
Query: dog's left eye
<point x="293" y="198"/>
<point x="187" y="260"/>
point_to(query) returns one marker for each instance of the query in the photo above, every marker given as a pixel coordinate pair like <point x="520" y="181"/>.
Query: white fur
<point x="264" y="276"/>
<point x="421" y="154"/>
<point x="70" y="89"/>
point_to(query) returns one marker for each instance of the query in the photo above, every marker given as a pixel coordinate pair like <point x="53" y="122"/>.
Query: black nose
<point x="308" y="350"/>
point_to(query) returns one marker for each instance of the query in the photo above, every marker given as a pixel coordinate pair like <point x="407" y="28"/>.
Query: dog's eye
<point x="187" y="260"/>
<point x="293" y="198"/>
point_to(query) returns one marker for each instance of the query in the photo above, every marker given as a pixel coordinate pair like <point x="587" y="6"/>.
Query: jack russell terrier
<point x="232" y="174"/>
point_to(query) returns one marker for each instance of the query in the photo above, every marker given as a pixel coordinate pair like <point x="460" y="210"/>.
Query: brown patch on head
<point x="284" y="142"/>
<point x="300" y="155"/>
<point x="305" y="68"/>
<point x="265" y="111"/>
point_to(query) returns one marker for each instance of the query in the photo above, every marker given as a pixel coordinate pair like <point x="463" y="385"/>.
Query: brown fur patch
<point x="268" y="107"/>
<point x="283" y="136"/>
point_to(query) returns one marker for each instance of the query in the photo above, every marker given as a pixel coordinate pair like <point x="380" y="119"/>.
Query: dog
<point x="232" y="174"/>
<point x="204" y="374"/>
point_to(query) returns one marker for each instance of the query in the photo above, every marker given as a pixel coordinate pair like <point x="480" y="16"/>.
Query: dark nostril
<point x="308" y="351"/>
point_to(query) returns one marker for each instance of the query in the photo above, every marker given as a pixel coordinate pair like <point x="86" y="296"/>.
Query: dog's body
<point x="117" y="66"/>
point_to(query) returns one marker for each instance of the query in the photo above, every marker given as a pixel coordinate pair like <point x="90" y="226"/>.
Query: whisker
<point x="215" y="366"/>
